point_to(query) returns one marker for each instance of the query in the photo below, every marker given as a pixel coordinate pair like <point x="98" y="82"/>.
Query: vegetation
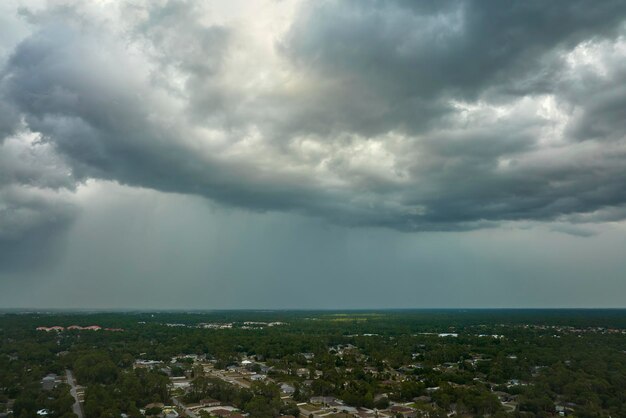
<point x="493" y="363"/>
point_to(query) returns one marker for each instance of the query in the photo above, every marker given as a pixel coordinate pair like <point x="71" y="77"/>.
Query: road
<point x="189" y="412"/>
<point x="78" y="410"/>
<point x="229" y="379"/>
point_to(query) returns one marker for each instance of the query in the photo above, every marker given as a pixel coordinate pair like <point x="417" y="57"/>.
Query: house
<point x="210" y="402"/>
<point x="326" y="400"/>
<point x="49" y="382"/>
<point x="170" y="413"/>
<point x="287" y="389"/>
<point x="180" y="382"/>
<point x="93" y="328"/>
<point x="422" y="399"/>
<point x="147" y="363"/>
<point x="504" y="396"/>
<point x="402" y="410"/>
<point x="258" y="377"/>
<point x="90" y="328"/>
<point x="221" y="412"/>
<point x="346" y="409"/>
<point x="366" y="413"/>
<point x="564" y="409"/>
<point x="48" y="329"/>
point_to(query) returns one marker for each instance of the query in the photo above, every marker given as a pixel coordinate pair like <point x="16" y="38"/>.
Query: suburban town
<point x="312" y="208"/>
<point x="298" y="364"/>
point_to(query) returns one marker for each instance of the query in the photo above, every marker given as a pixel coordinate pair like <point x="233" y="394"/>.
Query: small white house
<point x="287" y="389"/>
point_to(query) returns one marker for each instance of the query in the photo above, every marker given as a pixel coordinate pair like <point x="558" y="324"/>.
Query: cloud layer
<point x="431" y="115"/>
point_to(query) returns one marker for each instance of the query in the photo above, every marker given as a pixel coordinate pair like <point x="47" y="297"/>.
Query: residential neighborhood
<point x="331" y="365"/>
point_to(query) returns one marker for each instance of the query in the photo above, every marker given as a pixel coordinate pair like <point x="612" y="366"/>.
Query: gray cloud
<point x="9" y="120"/>
<point x="409" y="115"/>
<point x="573" y="230"/>
<point x="36" y="203"/>
<point x="412" y="57"/>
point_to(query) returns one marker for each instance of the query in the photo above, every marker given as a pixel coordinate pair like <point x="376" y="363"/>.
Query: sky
<point x="275" y="154"/>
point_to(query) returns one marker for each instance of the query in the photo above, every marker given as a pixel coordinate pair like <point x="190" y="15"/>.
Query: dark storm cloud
<point x="410" y="57"/>
<point x="410" y="115"/>
<point x="35" y="205"/>
<point x="602" y="105"/>
<point x="9" y="120"/>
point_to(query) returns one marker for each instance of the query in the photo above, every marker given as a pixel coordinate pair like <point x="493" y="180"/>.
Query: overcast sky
<point x="312" y="154"/>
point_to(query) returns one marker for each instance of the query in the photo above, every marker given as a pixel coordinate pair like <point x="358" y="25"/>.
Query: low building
<point x="49" y="382"/>
<point x="210" y="402"/>
<point x="221" y="412"/>
<point x="403" y="411"/>
<point x="170" y="413"/>
<point x="49" y="329"/>
<point x="287" y="389"/>
<point x="93" y="328"/>
<point x="326" y="400"/>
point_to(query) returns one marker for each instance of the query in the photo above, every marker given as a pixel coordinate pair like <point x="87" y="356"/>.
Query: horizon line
<point x="252" y="309"/>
